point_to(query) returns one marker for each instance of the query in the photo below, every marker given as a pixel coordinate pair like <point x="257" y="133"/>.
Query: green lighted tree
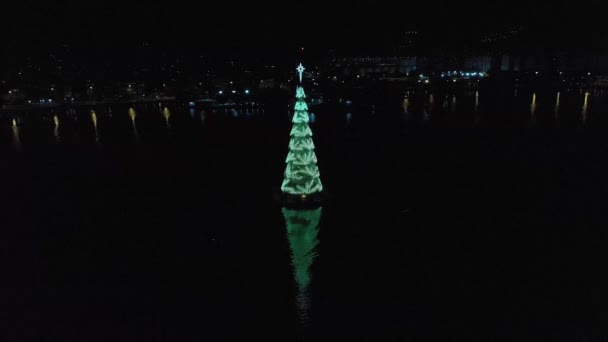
<point x="302" y="233"/>
<point x="301" y="174"/>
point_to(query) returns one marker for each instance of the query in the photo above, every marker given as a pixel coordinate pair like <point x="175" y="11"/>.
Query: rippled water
<point x="448" y="216"/>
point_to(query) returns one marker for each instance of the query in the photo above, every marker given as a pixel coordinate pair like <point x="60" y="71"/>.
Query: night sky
<point x="354" y="27"/>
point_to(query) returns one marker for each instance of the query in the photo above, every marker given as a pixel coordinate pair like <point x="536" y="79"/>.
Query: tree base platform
<point x="302" y="201"/>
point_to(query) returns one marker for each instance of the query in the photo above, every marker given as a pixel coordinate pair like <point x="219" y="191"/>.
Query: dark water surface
<point x="452" y="221"/>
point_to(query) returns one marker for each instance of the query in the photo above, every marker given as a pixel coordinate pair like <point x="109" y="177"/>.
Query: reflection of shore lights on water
<point x="166" y="115"/>
<point x="477" y="117"/>
<point x="406" y="105"/>
<point x="56" y="129"/>
<point x="585" y="107"/>
<point x="132" y="115"/>
<point x="533" y="105"/>
<point x="94" y="119"/>
<point x="16" y="138"/>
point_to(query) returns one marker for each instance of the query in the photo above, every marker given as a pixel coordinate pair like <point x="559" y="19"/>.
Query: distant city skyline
<point x="81" y="43"/>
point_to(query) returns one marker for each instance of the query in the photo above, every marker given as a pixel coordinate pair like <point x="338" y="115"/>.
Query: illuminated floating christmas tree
<point x="302" y="178"/>
<point x="302" y="233"/>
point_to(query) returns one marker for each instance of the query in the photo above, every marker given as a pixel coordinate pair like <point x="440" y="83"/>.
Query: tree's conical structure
<point x="301" y="174"/>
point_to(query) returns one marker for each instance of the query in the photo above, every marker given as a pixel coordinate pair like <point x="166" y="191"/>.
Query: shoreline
<point x="36" y="106"/>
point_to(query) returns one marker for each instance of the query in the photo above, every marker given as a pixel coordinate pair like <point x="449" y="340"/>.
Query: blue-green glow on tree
<point x="301" y="176"/>
<point x="302" y="233"/>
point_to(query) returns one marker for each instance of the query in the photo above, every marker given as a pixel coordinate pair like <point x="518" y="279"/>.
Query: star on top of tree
<point x="300" y="70"/>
